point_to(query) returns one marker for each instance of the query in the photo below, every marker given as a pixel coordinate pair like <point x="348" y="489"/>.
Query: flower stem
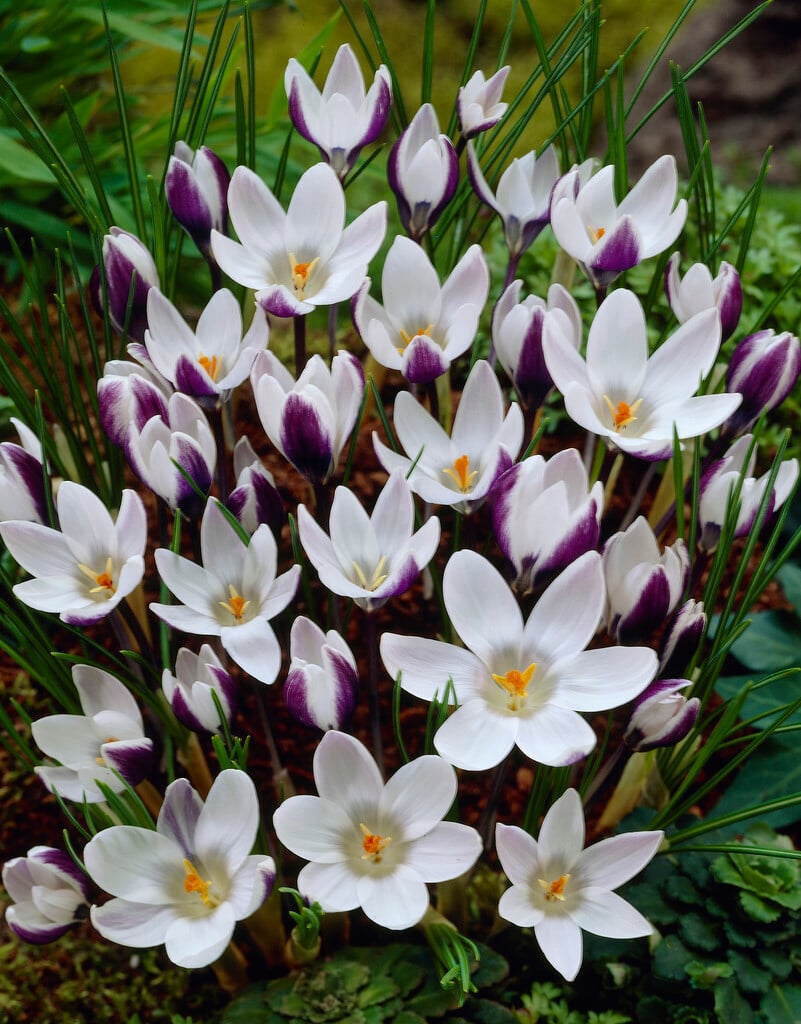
<point x="636" y="501"/>
<point x="282" y="781"/>
<point x="216" y="418"/>
<point x="433" y="400"/>
<point x="231" y="970"/>
<point x="333" y="311"/>
<point x="299" y="324"/>
<point x="372" y="679"/>
<point x="488" y="817"/>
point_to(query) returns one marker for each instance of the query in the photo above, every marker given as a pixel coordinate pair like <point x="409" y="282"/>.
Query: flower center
<point x="373" y="845"/>
<point x="375" y="580"/>
<point x="623" y="414"/>
<point x="194" y="883"/>
<point x="554" y="891"/>
<point x="596" y="234"/>
<point x="406" y="338"/>
<point x="461" y="474"/>
<point x="101" y="760"/>
<point x="236" y="604"/>
<point x="212" y="365"/>
<point x="301" y="273"/>
<point x="104" y="581"/>
<point x="515" y="683"/>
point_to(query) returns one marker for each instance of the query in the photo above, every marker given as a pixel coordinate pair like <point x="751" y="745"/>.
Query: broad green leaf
<point x="772" y="772"/>
<point x="20" y="164"/>
<point x="790" y="578"/>
<point x="767" y="700"/>
<point x="163" y="37"/>
<point x="782" y="1005"/>
<point x="772" y="641"/>
<point x="730" y="1006"/>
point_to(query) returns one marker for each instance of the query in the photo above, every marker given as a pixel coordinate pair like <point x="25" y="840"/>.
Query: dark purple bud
<point x="682" y="638"/>
<point x="764" y="368"/>
<point x="728" y="292"/>
<point x="619" y="250"/>
<point x="130" y="274"/>
<point x="196" y="186"/>
<point x="661" y="716"/>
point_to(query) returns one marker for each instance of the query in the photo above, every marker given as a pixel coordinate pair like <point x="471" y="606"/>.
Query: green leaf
<point x="758" y="909"/>
<point x="782" y="1005"/>
<point x="750" y="978"/>
<point x="20" y="164"/>
<point x="765" y="701"/>
<point x="772" y="772"/>
<point x="771" y="642"/>
<point x="789" y="576"/>
<point x="730" y="1006"/>
<point x="777" y="962"/>
<point x="699" y="933"/>
<point x="671" y="958"/>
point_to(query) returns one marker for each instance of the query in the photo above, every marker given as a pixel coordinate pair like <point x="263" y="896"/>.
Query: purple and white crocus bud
<point x="606" y="238"/>
<point x="196" y="186"/>
<point x="523" y="197"/>
<point x="643" y="586"/>
<point x="681" y="639"/>
<point x="661" y="716"/>
<point x="764" y="368"/>
<point x="698" y="290"/>
<point x="108" y="738"/>
<point x="423" y="172"/>
<point x="545" y="516"/>
<point x="127" y="263"/>
<point x="478" y="102"/>
<point x="49" y="891"/>
<point x="722" y="479"/>
<point x="320" y="689"/>
<point x="342" y="118"/>
<point x="310" y="419"/>
<point x="517" y="337"/>
<point x="255" y="499"/>
<point x="190" y="691"/>
<point x="22" y="487"/>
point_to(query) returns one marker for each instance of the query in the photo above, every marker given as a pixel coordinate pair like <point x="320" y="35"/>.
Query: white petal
<point x="137" y="863"/>
<point x="427" y="665"/>
<point x="560" y="941"/>
<point x="347" y="775"/>
<point x="482" y="607"/>
<point x="333" y="886"/>
<point x="313" y="828"/>
<point x="561" y="625"/>
<point x="446" y="852"/>
<point x="561" y="838"/>
<point x="614" y="861"/>
<point x="200" y="940"/>
<point x="605" y="913"/>
<point x="133" y="924"/>
<point x="227" y="826"/>
<point x="396" y="901"/>
<point x="418" y="795"/>
<point x="475" y="737"/>
<point x="518" y="853"/>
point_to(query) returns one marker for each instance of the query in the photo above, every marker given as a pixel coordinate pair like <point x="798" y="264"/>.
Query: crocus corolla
<point x="49" y="891"/>
<point x="764" y="369"/>
<point x="190" y="692"/>
<point x="255" y="499"/>
<point x="478" y="102"/>
<point x="698" y="290"/>
<point x="196" y="186"/>
<point x="22" y="487"/>
<point x="661" y="716"/>
<point x="130" y="273"/>
<point x="320" y="689"/>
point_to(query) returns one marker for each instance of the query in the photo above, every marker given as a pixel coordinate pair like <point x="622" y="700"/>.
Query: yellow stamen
<point x="101" y="760"/>
<point x="377" y="578"/>
<point x="194" y="883"/>
<point x="461" y="473"/>
<point x="515" y="683"/>
<point x="236" y="604"/>
<point x="596" y="234"/>
<point x="373" y="845"/>
<point x="406" y="338"/>
<point x="623" y="414"/>
<point x="301" y="273"/>
<point x="104" y="580"/>
<point x="212" y="365"/>
<point x="554" y="890"/>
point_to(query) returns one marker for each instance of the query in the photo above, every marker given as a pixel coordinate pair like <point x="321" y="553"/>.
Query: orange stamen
<point x="515" y="683"/>
<point x="373" y="845"/>
<point x="194" y="883"/>
<point x="623" y="414"/>
<point x="461" y="474"/>
<point x="554" y="890"/>
<point x="212" y="366"/>
<point x="301" y="273"/>
<point x="103" y="580"/>
<point x="406" y="338"/>
<point x="236" y="604"/>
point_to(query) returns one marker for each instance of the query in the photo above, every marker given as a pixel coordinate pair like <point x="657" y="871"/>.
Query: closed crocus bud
<point x="196" y="186"/>
<point x="478" y="102"/>
<point x="643" y="586"/>
<point x="22" y="488"/>
<point x="682" y="638"/>
<point x="320" y="690"/>
<point x="423" y="171"/>
<point x="49" y="891"/>
<point x="764" y="368"/>
<point x="698" y="290"/>
<point x="255" y="498"/>
<point x="662" y="716"/>
<point x="190" y="691"/>
<point x="126" y="262"/>
<point x="128" y="395"/>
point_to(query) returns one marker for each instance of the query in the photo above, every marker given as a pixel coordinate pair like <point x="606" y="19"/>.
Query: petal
<point x="427" y="665"/>
<point x="198" y="941"/>
<point x="475" y="737"/>
<point x="447" y="851"/>
<point x="605" y="913"/>
<point x="555" y="736"/>
<point x="601" y="679"/>
<point x="560" y="942"/>
<point x="128" y="862"/>
<point x="482" y="608"/>
<point x="255" y="648"/>
<point x="313" y="828"/>
<point x="561" y="838"/>
<point x="418" y="796"/>
<point x="559" y="625"/>
<point x="518" y="853"/>
<point x="614" y="861"/>
<point x="397" y="900"/>
<point x="227" y="825"/>
<point x="133" y="924"/>
<point x="516" y="905"/>
<point x="347" y="775"/>
<point x="179" y="815"/>
<point x="333" y="886"/>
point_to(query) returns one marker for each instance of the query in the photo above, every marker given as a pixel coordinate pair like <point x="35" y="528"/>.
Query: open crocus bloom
<point x="233" y="595"/>
<point x="49" y="891"/>
<point x="189" y="882"/>
<point x="478" y="102"/>
<point x="422" y="326"/>
<point x="606" y="238"/>
<point x="458" y="470"/>
<point x="342" y="118"/>
<point x="85" y="569"/>
<point x="372" y="845"/>
<point x="304" y="258"/>
<point x="634" y="400"/>
<point x="515" y="682"/>
<point x="559" y="888"/>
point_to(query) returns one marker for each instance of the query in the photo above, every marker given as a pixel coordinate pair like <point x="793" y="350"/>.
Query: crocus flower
<point x="559" y="888"/>
<point x="196" y="185"/>
<point x="320" y="689"/>
<point x="108" y="738"/>
<point x="643" y="586"/>
<point x="517" y="337"/>
<point x="369" y="558"/>
<point x="698" y="290"/>
<point x="85" y="569"/>
<point x="519" y="683"/>
<point x="544" y="515"/>
<point x="606" y="238"/>
<point x="423" y="171"/>
<point x="210" y="361"/>
<point x="459" y="470"/>
<point x="128" y="395"/>
<point x="310" y="419"/>
<point x="341" y="119"/>
<point x="232" y="595"/>
<point x="764" y="368"/>
<point x="723" y="477"/>
<point x="372" y="845"/>
<point x="422" y="326"/>
<point x="523" y="196"/>
<point x="255" y="499"/>
<point x="303" y="258"/>
<point x="478" y="102"/>
<point x="49" y="891"/>
<point x="661" y="716"/>
<point x="189" y="882"/>
<point x="126" y="262"/>
<point x="681" y="639"/>
<point x="22" y="487"/>
<point x="190" y="691"/>
<point x="623" y="394"/>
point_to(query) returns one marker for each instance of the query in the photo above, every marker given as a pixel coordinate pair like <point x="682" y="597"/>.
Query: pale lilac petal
<point x="133" y="924"/>
<point x="561" y="943"/>
<point x="605" y="913"/>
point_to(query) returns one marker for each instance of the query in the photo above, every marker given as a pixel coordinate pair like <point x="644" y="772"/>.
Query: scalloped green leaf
<point x="771" y="642"/>
<point x="730" y="1006"/>
<point x="698" y="932"/>
<point x="750" y="976"/>
<point x="782" y="1005"/>
<point x="758" y="909"/>
<point x="671" y="958"/>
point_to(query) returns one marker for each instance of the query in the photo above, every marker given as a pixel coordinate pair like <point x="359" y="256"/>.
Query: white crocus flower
<point x="559" y="887"/>
<point x="191" y="691"/>
<point x="49" y="891"/>
<point x="698" y="290"/>
<point x="478" y="102"/>
<point x="85" y="569"/>
<point x="321" y="686"/>
<point x="422" y="325"/>
<point x="369" y="558"/>
<point x="519" y="683"/>
<point x="233" y="595"/>
<point x="304" y="258"/>
<point x="621" y="393"/>
<point x="372" y="845"/>
<point x="189" y="882"/>
<point x="458" y="470"/>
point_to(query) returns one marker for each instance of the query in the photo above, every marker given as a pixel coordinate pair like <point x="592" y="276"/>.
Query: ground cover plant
<point x="389" y="498"/>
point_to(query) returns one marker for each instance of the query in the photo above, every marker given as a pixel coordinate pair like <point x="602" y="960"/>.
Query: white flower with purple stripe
<point x="320" y="689"/>
<point x="191" y="691"/>
<point x="127" y="263"/>
<point x="22" y="485"/>
<point x="478" y="102"/>
<point x="49" y="891"/>
<point x="196" y="185"/>
<point x="661" y="716"/>
<point x="764" y="368"/>
<point x="698" y="290"/>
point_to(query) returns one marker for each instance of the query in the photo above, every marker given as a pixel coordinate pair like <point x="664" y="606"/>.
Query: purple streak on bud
<point x="661" y="716"/>
<point x="125" y="257"/>
<point x="131" y="758"/>
<point x="620" y="251"/>
<point x="305" y="440"/>
<point x="764" y="368"/>
<point x="682" y="638"/>
<point x="423" y="361"/>
<point x="728" y="292"/>
<point x="196" y="186"/>
<point x="647" y="612"/>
